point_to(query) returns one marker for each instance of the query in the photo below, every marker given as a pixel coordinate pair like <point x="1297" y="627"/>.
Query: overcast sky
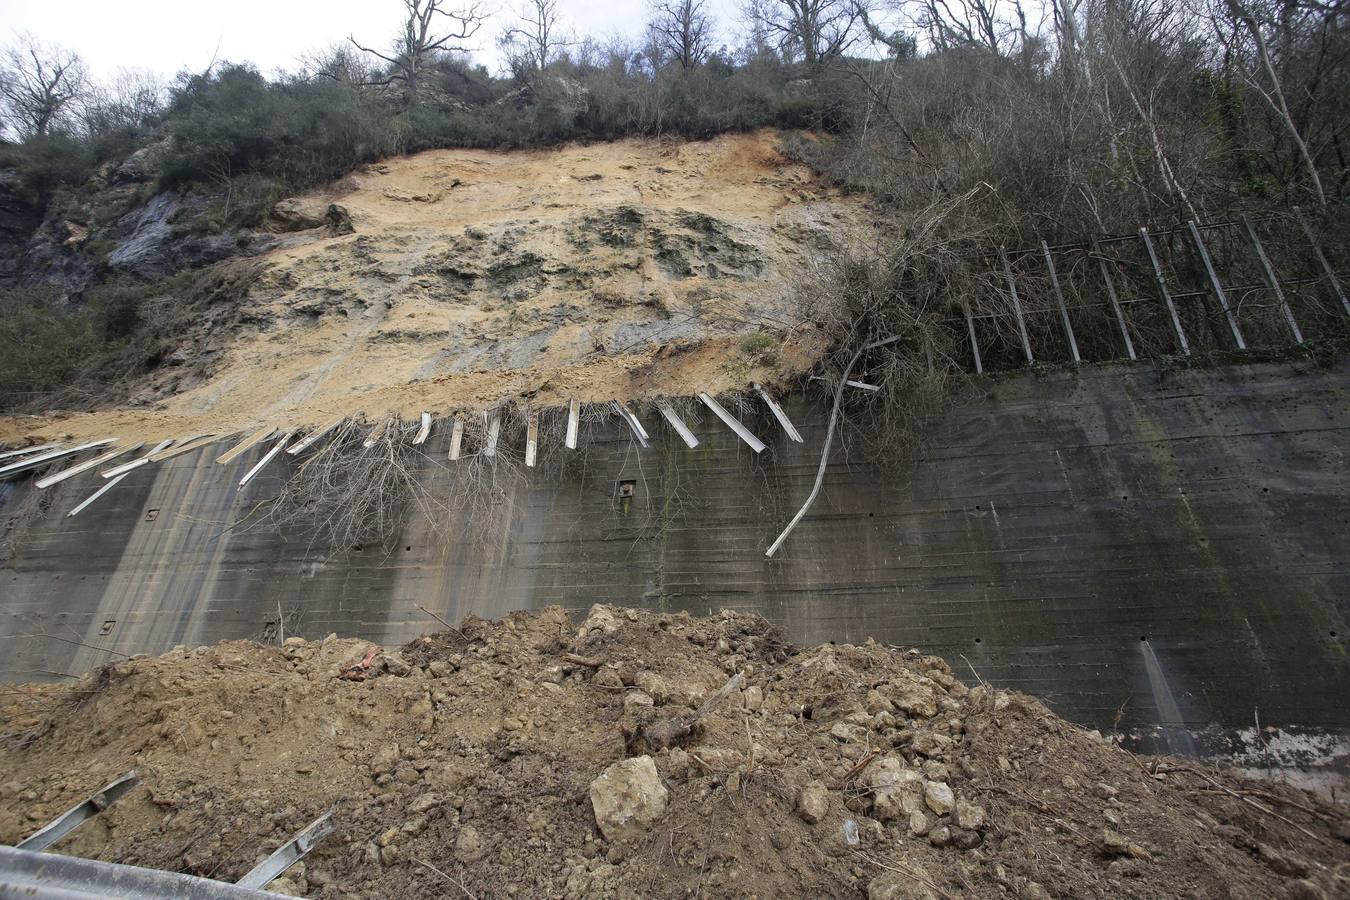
<point x="166" y="36"/>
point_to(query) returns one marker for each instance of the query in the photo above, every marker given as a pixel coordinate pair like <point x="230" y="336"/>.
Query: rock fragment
<point x="939" y="797"/>
<point x="628" y="798"/>
<point x="813" y="802"/>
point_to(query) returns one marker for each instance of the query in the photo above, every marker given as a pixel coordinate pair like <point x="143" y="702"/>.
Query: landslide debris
<point x="462" y="279"/>
<point x="493" y="761"/>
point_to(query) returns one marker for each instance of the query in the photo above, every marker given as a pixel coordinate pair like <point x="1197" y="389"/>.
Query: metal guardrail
<point x="49" y="876"/>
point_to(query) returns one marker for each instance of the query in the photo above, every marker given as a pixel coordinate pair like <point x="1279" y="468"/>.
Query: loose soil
<point x="471" y="278"/>
<point x="462" y="765"/>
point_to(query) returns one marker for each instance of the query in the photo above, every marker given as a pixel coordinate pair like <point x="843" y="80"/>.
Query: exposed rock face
<point x="628" y="798"/>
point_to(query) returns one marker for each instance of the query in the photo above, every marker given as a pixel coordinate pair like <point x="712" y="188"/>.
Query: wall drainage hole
<point x="979" y="641"/>
<point x="1143" y="638"/>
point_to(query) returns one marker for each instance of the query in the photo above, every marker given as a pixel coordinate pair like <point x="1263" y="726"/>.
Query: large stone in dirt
<point x="297" y="214"/>
<point x="939" y="797"/>
<point x="813" y="802"/>
<point x="915" y="698"/>
<point x="601" y="619"/>
<point x="628" y="798"/>
<point x="896" y="791"/>
<point x="969" y="816"/>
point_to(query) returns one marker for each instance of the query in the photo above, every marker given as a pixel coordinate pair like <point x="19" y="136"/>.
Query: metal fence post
<point x="1272" y="280"/>
<point x="1059" y="300"/>
<point x="1162" y="290"/>
<point x="1017" y="305"/>
<point x="1216" y="286"/>
<point x="1115" y="301"/>
<point x="1322" y="260"/>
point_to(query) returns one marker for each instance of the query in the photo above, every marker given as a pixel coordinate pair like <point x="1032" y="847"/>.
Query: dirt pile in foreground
<point x="477" y="762"/>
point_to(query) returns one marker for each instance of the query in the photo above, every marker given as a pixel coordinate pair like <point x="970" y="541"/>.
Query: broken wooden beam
<point x="494" y="433"/>
<point x="457" y="437"/>
<point x="9" y="454"/>
<point x="376" y="433"/>
<point x="733" y="423"/>
<point x="185" y="445"/>
<point x="627" y="415"/>
<point x="425" y="431"/>
<point x="267" y="458"/>
<point x="532" y="439"/>
<point x="256" y="438"/>
<point x="573" y="420"/>
<point x="32" y="462"/>
<point x="136" y="463"/>
<point x="305" y="443"/>
<point x="107" y="486"/>
<point x="677" y="423"/>
<point x="778" y="414"/>
<point x="86" y="466"/>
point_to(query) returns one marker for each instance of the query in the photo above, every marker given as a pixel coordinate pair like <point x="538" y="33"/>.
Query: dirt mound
<point x="644" y="754"/>
<point x="461" y="279"/>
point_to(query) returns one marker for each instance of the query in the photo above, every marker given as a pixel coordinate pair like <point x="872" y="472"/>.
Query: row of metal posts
<point x="1211" y="276"/>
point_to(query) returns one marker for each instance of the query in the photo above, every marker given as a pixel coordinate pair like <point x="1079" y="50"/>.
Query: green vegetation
<point x="59" y="354"/>
<point x="973" y="128"/>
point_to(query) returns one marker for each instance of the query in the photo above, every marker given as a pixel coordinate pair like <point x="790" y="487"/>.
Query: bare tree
<point x="429" y="28"/>
<point x="1274" y="94"/>
<point x="132" y="99"/>
<point x="814" y="31"/>
<point x="534" y="41"/>
<point x="683" y="30"/>
<point x="40" y="85"/>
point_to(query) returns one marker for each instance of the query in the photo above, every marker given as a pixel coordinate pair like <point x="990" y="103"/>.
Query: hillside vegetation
<point x="978" y="124"/>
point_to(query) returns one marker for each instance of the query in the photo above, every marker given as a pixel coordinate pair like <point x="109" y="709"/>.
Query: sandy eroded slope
<point x="473" y="278"/>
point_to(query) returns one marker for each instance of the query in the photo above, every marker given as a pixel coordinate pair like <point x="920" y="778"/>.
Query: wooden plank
<point x="677" y="423"/>
<point x="26" y="450"/>
<point x="305" y="443"/>
<point x="376" y="433"/>
<point x="96" y="494"/>
<point x="33" y="462"/>
<point x="733" y="423"/>
<point x="457" y="437"/>
<point x="627" y="415"/>
<point x="425" y="431"/>
<point x="494" y="432"/>
<point x="573" y="420"/>
<point x="267" y="458"/>
<point x="136" y="463"/>
<point x="256" y="438"/>
<point x="783" y="420"/>
<point x="86" y="466"/>
<point x="186" y="445"/>
<point x="532" y="439"/>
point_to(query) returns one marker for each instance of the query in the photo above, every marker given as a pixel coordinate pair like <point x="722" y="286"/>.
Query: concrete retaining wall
<point x="1170" y="548"/>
